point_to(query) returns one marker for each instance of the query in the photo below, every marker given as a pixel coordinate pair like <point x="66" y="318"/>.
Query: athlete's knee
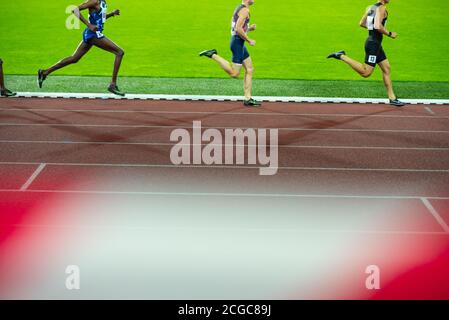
<point x="1" y="62"/>
<point x="386" y="70"/>
<point x="75" y="59"/>
<point x="366" y="73"/>
<point x="250" y="70"/>
<point x="234" y="74"/>
<point x="120" y="52"/>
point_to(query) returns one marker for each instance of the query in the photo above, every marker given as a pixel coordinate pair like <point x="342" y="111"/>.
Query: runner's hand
<point x="253" y="27"/>
<point x="394" y="35"/>
<point x="116" y="12"/>
<point x="93" y="27"/>
<point x="252" y="43"/>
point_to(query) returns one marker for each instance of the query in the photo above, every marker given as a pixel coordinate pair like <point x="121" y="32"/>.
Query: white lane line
<point x="207" y="127"/>
<point x="429" y="111"/>
<point x="230" y="167"/>
<point x="435" y="214"/>
<point x="225" y="194"/>
<point x="225" y="113"/>
<point x="295" y="230"/>
<point x="219" y="98"/>
<point x="33" y="177"/>
<point x="246" y="145"/>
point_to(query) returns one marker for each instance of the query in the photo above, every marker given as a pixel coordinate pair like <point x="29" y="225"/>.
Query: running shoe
<point x="397" y="103"/>
<point x="115" y="90"/>
<point x="208" y="53"/>
<point x="336" y="55"/>
<point x="7" y="93"/>
<point x="251" y="103"/>
<point x="41" y="77"/>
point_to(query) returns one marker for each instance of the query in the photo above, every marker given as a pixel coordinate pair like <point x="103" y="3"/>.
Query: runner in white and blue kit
<point x="92" y="36"/>
<point x="240" y="27"/>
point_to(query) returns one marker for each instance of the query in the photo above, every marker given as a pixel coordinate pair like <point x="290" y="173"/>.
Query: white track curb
<point x="63" y="95"/>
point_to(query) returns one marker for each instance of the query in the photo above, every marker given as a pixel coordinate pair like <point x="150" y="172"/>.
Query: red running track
<point x="330" y="155"/>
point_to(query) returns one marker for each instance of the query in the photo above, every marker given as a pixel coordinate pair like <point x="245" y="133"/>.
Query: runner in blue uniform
<point x="375" y="20"/>
<point x="92" y="36"/>
<point x="240" y="55"/>
<point x="3" y="91"/>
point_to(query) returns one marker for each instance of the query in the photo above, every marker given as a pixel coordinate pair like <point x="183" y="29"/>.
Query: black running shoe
<point x="115" y="90"/>
<point x="251" y="103"/>
<point x="41" y="78"/>
<point x="336" y="55"/>
<point x="7" y="93"/>
<point x="397" y="103"/>
<point x="208" y="53"/>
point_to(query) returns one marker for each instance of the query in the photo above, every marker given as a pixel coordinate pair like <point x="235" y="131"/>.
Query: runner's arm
<point x="86" y="5"/>
<point x="243" y="15"/>
<point x="363" y="21"/>
<point x="381" y="11"/>
<point x="113" y="14"/>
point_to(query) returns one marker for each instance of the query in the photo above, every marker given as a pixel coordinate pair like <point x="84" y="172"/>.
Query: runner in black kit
<point x="374" y="20"/>
<point x="240" y="55"/>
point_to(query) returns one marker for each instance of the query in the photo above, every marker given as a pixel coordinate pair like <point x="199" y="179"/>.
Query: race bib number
<point x="372" y="59"/>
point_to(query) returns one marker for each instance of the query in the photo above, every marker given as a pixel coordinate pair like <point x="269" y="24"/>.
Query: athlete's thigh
<point x="239" y="53"/>
<point x="82" y="49"/>
<point x="385" y="66"/>
<point x="381" y="56"/>
<point x="372" y="53"/>
<point x="106" y="44"/>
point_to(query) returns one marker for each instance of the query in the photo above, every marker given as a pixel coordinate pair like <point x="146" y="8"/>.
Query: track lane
<point x="293" y="138"/>
<point x="218" y="107"/>
<point x="288" y="157"/>
<point x="9" y="118"/>
<point x="233" y="180"/>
